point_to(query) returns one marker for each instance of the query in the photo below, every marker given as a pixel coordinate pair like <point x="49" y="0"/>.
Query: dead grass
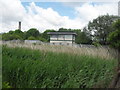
<point x="102" y="52"/>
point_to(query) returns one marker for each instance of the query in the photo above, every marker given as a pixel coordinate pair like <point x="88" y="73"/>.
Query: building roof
<point x="62" y="33"/>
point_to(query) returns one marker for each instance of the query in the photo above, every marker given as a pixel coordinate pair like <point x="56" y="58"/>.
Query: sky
<point x="52" y="14"/>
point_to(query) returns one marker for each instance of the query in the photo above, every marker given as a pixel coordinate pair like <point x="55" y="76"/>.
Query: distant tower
<point x="119" y="8"/>
<point x="19" y="27"/>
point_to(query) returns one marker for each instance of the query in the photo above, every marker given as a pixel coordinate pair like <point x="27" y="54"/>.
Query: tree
<point x="82" y="38"/>
<point x="63" y="29"/>
<point x="11" y="32"/>
<point x="32" y="32"/>
<point x="100" y="28"/>
<point x="0" y="36"/>
<point x="19" y="33"/>
<point x="42" y="39"/>
<point x="13" y="35"/>
<point x="31" y="38"/>
<point x="7" y="36"/>
<point x="114" y="37"/>
<point x="114" y="40"/>
<point x="45" y="36"/>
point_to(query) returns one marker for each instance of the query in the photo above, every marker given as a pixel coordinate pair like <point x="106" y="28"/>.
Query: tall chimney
<point x="19" y="27"/>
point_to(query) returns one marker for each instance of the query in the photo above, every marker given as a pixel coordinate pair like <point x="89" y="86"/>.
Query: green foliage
<point x="32" y="32"/>
<point x="31" y="38"/>
<point x="82" y="38"/>
<point x="43" y="39"/>
<point x="101" y="27"/>
<point x="13" y="35"/>
<point x="116" y="25"/>
<point x="7" y="36"/>
<point x="44" y="36"/>
<point x="6" y="85"/>
<point x="64" y="29"/>
<point x="114" y="37"/>
<point x="0" y="36"/>
<point x="11" y="32"/>
<point x="26" y="68"/>
<point x="97" y="44"/>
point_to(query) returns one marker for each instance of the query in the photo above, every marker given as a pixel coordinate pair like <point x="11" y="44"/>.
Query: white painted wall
<point x="61" y="42"/>
<point x="59" y="39"/>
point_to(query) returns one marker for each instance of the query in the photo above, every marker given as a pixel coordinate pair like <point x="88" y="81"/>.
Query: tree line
<point x="34" y="34"/>
<point x="96" y="32"/>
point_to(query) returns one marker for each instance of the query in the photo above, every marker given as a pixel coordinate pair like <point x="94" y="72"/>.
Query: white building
<point x="62" y="38"/>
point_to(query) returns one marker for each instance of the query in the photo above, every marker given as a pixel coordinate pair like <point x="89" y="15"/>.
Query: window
<point x="53" y="37"/>
<point x="68" y="37"/>
<point x="61" y="37"/>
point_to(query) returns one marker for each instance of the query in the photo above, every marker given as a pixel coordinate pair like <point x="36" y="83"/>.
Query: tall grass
<point x="101" y="52"/>
<point x="27" y="68"/>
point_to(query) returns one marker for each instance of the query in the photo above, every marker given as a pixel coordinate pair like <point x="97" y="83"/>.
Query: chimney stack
<point x="19" y="27"/>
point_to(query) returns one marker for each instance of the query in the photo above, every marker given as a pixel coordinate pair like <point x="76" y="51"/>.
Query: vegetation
<point x="27" y="68"/>
<point x="82" y="38"/>
<point x="34" y="34"/>
<point x="114" y="40"/>
<point x="97" y="31"/>
<point x="45" y="66"/>
<point x="100" y="28"/>
<point x="101" y="52"/>
<point x="114" y="37"/>
<point x="31" y="38"/>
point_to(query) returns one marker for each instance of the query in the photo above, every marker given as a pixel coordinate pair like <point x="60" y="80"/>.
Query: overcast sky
<point x="51" y="15"/>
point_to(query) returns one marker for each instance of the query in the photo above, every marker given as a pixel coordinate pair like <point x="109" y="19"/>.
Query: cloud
<point x="10" y="14"/>
<point x="88" y="11"/>
<point x="47" y="19"/>
<point x="34" y="16"/>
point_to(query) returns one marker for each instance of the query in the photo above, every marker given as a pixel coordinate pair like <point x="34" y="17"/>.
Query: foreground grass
<point x="26" y="68"/>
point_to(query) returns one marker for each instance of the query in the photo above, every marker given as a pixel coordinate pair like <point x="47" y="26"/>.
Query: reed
<point x="45" y="66"/>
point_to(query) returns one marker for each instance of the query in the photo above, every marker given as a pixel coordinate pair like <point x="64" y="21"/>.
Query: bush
<point x="31" y="38"/>
<point x="97" y="44"/>
<point x="6" y="85"/>
<point x="114" y="39"/>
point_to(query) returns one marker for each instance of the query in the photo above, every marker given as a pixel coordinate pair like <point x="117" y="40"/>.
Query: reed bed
<point x="101" y="52"/>
<point x="45" y="66"/>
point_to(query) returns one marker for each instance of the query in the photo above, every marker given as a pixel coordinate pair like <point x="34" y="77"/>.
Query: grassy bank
<point x="27" y="68"/>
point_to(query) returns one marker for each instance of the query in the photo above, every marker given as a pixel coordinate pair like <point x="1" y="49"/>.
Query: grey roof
<point x="61" y="33"/>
